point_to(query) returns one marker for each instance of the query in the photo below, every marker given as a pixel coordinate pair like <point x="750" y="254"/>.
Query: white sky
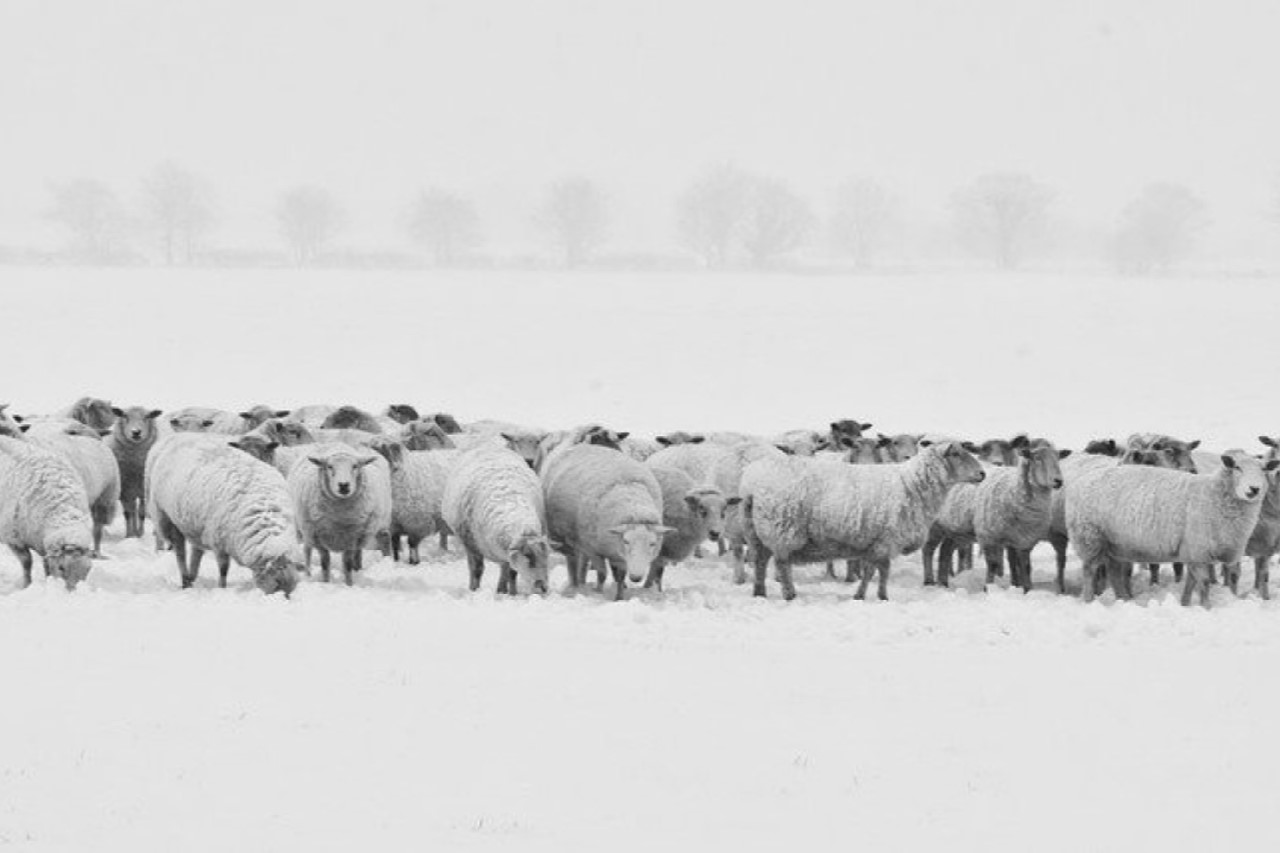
<point x="376" y="98"/>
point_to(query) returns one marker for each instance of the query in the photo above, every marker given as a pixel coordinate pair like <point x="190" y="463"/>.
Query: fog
<point x="495" y="99"/>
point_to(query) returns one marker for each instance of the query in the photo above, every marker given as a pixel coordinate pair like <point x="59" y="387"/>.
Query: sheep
<point x="95" y="464"/>
<point x="350" y="417"/>
<point x="256" y="416"/>
<point x="800" y="442"/>
<point x="43" y="508"/>
<point x="445" y="421"/>
<point x="638" y="448"/>
<point x="401" y="413"/>
<point x="131" y="439"/>
<point x="339" y="505"/>
<point x="1103" y="447"/>
<point x="693" y="513"/>
<point x="425" y="435"/>
<point x="201" y="419"/>
<point x="604" y="506"/>
<point x="1264" y="541"/>
<point x="1178" y="453"/>
<point x="1133" y="513"/>
<point x="493" y="503"/>
<point x="258" y="446"/>
<point x="804" y="510"/>
<point x="285" y="432"/>
<point x="90" y="411"/>
<point x="204" y="493"/>
<point x="680" y="437"/>
<point x="418" y="480"/>
<point x="898" y="448"/>
<point x="848" y="428"/>
<point x="9" y="426"/>
<point x="312" y="415"/>
<point x="555" y="443"/>
<point x="862" y="451"/>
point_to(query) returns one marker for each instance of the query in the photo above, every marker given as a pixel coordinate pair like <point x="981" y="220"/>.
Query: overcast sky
<point x="376" y="98"/>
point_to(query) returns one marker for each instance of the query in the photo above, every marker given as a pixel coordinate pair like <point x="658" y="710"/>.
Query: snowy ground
<point x="409" y="714"/>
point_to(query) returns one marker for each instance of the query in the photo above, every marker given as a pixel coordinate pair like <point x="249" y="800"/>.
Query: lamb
<point x="202" y="492"/>
<point x="693" y="513"/>
<point x="342" y="502"/>
<point x="43" y="508"/>
<point x="350" y="417"/>
<point x="1133" y="513"/>
<point x="94" y="463"/>
<point x="803" y="510"/>
<point x="90" y="411"/>
<point x="418" y="480"/>
<point x="131" y="439"/>
<point x="493" y="502"/>
<point x="1264" y="542"/>
<point x="604" y="506"/>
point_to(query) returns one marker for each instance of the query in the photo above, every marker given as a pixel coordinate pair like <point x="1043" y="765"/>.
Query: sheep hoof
<point x="759" y="592"/>
<point x="931" y="582"/>
<point x="788" y="594"/>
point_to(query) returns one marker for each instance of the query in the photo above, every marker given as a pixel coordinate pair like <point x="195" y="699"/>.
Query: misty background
<point x="1122" y="135"/>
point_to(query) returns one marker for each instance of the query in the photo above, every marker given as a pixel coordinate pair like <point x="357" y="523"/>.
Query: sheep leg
<point x="965" y="559"/>
<point x="97" y="538"/>
<point x="1089" y="567"/>
<point x="1196" y="582"/>
<point x="1177" y="572"/>
<point x="1155" y="573"/>
<point x="475" y="562"/>
<point x="946" y="561"/>
<point x="350" y="565"/>
<point x="324" y="563"/>
<point x="619" y="578"/>
<point x="931" y="545"/>
<point x="414" y="556"/>
<point x="224" y="566"/>
<point x="444" y="540"/>
<point x="193" y="572"/>
<point x="861" y="594"/>
<point x="721" y="547"/>
<point x="739" y="564"/>
<point x="506" y="579"/>
<point x="1261" y="576"/>
<point x="853" y="570"/>
<point x="782" y="568"/>
<point x="760" y="556"/>
<point x="396" y="541"/>
<point x="179" y="544"/>
<point x="1231" y="576"/>
<point x="883" y="566"/>
<point x="24" y="557"/>
<point x="600" y="568"/>
<point x="995" y="561"/>
<point x="1059" y="543"/>
<point x="654" y="579"/>
<point x="831" y="569"/>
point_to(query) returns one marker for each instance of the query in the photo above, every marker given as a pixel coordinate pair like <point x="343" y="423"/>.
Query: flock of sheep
<point x="273" y="490"/>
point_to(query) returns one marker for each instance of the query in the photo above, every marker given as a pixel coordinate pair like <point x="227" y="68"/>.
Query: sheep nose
<point x="344" y="488"/>
<point x="1253" y="491"/>
<point x="1057" y="482"/>
<point x="137" y="433"/>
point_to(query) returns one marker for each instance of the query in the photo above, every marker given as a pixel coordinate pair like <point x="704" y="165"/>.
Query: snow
<point x="409" y="714"/>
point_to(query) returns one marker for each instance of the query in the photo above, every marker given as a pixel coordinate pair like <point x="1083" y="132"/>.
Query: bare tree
<point x="1159" y="228"/>
<point x="180" y="209"/>
<point x="574" y="216"/>
<point x="309" y="218"/>
<point x="861" y="218"/>
<point x="93" y="216"/>
<point x="444" y="224"/>
<point x="1002" y="214"/>
<point x="711" y="213"/>
<point x="777" y="222"/>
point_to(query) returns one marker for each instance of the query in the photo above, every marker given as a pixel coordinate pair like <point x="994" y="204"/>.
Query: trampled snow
<point x="407" y="713"/>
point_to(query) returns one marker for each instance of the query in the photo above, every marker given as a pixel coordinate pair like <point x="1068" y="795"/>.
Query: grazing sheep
<point x="804" y="510"/>
<point x="1264" y="542"/>
<point x="493" y="502"/>
<point x="350" y="417"/>
<point x="425" y="435"/>
<point x="693" y="513"/>
<point x="418" y="480"/>
<point x="96" y="466"/>
<point x="43" y="508"/>
<point x="131" y="439"/>
<point x="1134" y="513"/>
<point x="401" y="413"/>
<point x="204" y="493"/>
<point x="603" y="506"/>
<point x="90" y="411"/>
<point x="342" y="502"/>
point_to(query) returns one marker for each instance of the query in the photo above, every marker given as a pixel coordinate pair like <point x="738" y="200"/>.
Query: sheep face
<point x="341" y="474"/>
<point x="279" y="574"/>
<point x="1042" y="469"/>
<point x="641" y="544"/>
<point x="260" y="448"/>
<point x="135" y="425"/>
<point x="899" y="448"/>
<point x="998" y="451"/>
<point x="708" y="507"/>
<point x="190" y="423"/>
<point x="402" y="413"/>
<point x="861" y="451"/>
<point x="95" y="413"/>
<point x="1176" y="454"/>
<point x="391" y="450"/>
<point x="287" y="432"/>
<point x="531" y="558"/>
<point x="526" y="446"/>
<point x="259" y="415"/>
<point x="425" y="435"/>
<point x="70" y="562"/>
<point x="962" y="465"/>
<point x="602" y="437"/>
<point x="849" y="427"/>
<point x="1248" y="475"/>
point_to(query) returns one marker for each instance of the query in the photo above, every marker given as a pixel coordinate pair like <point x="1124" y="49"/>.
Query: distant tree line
<point x="725" y="217"/>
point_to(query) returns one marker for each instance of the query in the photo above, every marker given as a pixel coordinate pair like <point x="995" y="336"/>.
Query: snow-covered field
<point x="409" y="714"/>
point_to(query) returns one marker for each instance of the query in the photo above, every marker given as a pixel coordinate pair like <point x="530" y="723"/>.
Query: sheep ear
<point x="661" y="528"/>
<point x="698" y="439"/>
<point x="104" y="432"/>
<point x="846" y="441"/>
<point x="1193" y="445"/>
<point x="208" y="423"/>
<point x="281" y="413"/>
<point x="733" y="501"/>
<point x="1063" y="454"/>
<point x="24" y="427"/>
<point x="1228" y="461"/>
<point x="1272" y="465"/>
<point x="18" y="418"/>
<point x="115" y="410"/>
<point x="692" y="501"/>
<point x="153" y="414"/>
<point x="969" y="446"/>
<point x="924" y="442"/>
<point x="619" y="530"/>
<point x="368" y="460"/>
<point x="663" y="440"/>
<point x="622" y="435"/>
<point x="237" y="445"/>
<point x="174" y="422"/>
<point x="248" y="416"/>
<point x="272" y="445"/>
<point x="864" y="427"/>
<point x="1267" y="440"/>
<point x="1020" y="440"/>
<point x="785" y="449"/>
<point x="835" y="426"/>
<point x="508" y="439"/>
<point x="317" y="461"/>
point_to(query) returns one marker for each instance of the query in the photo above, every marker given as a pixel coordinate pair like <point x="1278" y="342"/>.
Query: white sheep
<point x="801" y="510"/>
<point x="603" y="506"/>
<point x="1136" y="513"/>
<point x="418" y="481"/>
<point x="493" y="503"/>
<point x="90" y="411"/>
<point x="1264" y="542"/>
<point x="204" y="493"/>
<point x="429" y="435"/>
<point x="43" y="508"/>
<point x="692" y="511"/>
<point x="202" y="419"/>
<point x="96" y="466"/>
<point x="131" y="439"/>
<point x="342" y="502"/>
